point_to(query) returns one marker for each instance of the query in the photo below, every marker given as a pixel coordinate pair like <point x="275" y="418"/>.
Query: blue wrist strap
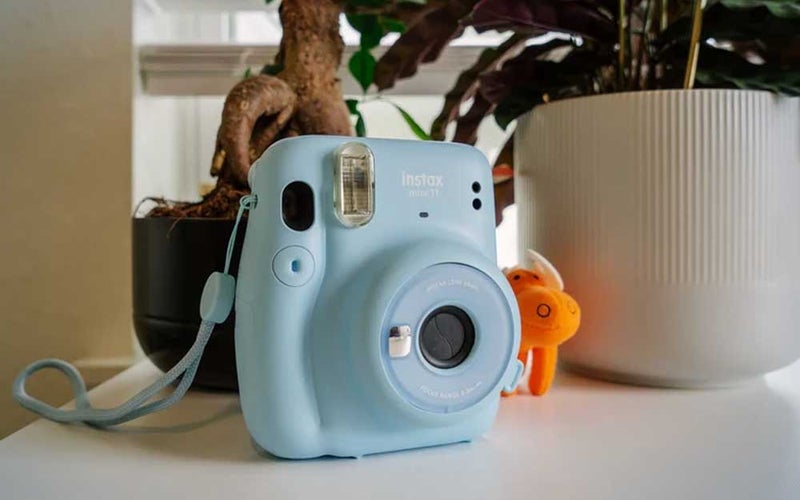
<point x="216" y="304"/>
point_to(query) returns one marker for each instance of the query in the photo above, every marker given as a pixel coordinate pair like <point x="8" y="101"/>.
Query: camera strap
<point x="215" y="306"/>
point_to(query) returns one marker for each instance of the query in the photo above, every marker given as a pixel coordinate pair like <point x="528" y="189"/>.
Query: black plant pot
<point x="171" y="260"/>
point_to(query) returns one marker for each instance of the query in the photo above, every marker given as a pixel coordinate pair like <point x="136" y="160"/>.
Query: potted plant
<point x="659" y="169"/>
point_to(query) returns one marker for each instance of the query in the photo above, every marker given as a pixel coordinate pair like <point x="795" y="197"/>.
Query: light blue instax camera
<point x="370" y="313"/>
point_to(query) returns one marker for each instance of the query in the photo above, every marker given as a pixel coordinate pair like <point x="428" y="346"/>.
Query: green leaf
<point x="361" y="128"/>
<point x="369" y="27"/>
<point x="367" y="3"/>
<point x="247" y="73"/>
<point x="352" y="106"/>
<point x="371" y="39"/>
<point x="362" y="67"/>
<point x="271" y="69"/>
<point x="412" y="124"/>
<point x="724" y="69"/>
<point x="373" y="27"/>
<point x="514" y="106"/>
<point x="357" y="21"/>
<point x="525" y="81"/>
<point x="780" y="8"/>
<point x="729" y="24"/>
<point x="390" y="25"/>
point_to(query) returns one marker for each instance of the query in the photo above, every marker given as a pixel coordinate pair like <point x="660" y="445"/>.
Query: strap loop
<point x="247" y="202"/>
<point x="135" y="407"/>
<point x="138" y="405"/>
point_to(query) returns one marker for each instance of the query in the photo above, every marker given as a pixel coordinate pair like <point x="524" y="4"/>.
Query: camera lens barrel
<point x="461" y="327"/>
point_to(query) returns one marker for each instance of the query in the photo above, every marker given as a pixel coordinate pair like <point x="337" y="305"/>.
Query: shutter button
<point x="293" y="266"/>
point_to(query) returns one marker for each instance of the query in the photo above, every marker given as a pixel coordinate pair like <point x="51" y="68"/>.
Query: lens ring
<point x="417" y="382"/>
<point x="446" y="337"/>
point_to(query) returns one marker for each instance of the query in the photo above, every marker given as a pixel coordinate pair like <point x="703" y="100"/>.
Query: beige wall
<point x="65" y="155"/>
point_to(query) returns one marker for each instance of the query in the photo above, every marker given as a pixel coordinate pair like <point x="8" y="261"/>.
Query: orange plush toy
<point x="549" y="318"/>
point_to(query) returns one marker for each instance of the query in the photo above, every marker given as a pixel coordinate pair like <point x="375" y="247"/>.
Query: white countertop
<point x="585" y="439"/>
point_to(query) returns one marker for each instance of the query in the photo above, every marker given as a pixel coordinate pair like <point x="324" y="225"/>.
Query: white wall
<point x="65" y="152"/>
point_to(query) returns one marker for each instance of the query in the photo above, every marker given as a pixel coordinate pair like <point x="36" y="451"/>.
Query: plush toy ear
<point x="545" y="269"/>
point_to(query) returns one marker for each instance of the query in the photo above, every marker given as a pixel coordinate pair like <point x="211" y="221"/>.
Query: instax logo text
<point x="422" y="185"/>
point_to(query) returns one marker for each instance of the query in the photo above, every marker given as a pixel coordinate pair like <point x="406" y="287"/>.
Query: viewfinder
<point x="297" y="206"/>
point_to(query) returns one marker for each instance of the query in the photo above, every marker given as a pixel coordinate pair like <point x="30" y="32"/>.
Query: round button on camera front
<point x="293" y="266"/>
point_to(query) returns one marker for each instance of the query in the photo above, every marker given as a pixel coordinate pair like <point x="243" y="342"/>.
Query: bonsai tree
<point x="298" y="93"/>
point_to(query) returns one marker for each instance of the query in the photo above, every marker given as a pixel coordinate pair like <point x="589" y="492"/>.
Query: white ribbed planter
<point x="674" y="217"/>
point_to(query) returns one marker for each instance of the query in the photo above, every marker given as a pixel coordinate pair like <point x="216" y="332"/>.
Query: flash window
<point x="354" y="184"/>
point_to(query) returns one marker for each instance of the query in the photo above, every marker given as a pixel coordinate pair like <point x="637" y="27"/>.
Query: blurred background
<point x="106" y="103"/>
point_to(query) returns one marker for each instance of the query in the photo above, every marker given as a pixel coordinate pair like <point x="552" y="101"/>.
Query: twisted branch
<point x="255" y="112"/>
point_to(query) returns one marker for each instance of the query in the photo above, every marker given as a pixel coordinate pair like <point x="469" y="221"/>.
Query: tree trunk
<point x="311" y="50"/>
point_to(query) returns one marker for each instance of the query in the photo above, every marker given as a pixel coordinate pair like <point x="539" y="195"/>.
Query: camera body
<point x="371" y="315"/>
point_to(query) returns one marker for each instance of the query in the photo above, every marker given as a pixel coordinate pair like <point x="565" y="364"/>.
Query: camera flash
<point x="354" y="186"/>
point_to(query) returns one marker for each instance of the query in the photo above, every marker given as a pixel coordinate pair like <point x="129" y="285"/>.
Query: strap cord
<point x="247" y="202"/>
<point x="140" y="404"/>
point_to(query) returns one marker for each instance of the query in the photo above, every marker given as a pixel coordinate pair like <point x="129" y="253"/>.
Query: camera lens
<point x="447" y="337"/>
